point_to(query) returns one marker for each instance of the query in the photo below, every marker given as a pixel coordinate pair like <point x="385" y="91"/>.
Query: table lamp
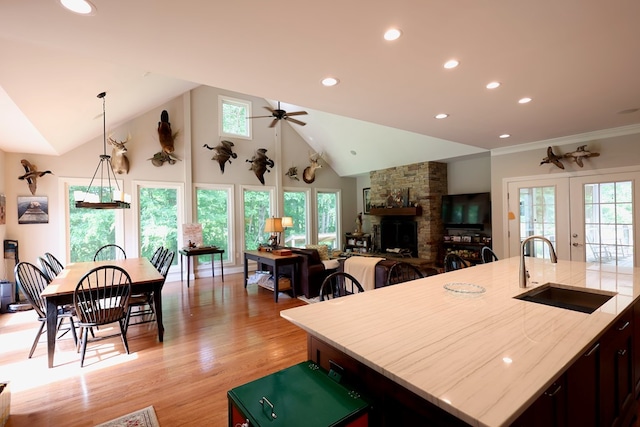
<point x="273" y="226"/>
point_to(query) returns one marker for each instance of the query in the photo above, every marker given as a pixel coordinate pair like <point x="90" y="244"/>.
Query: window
<point x="296" y="205"/>
<point x="257" y="204"/>
<point x="328" y="209"/>
<point x="538" y="217"/>
<point x="89" y="229"/>
<point x="233" y="117"/>
<point x="159" y="207"/>
<point x="214" y="212"/>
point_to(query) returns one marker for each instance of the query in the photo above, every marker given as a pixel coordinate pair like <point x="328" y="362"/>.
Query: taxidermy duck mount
<point x="31" y="175"/>
<point x="222" y="153"/>
<point x="167" y="140"/>
<point x="260" y="164"/>
<point x="552" y="158"/>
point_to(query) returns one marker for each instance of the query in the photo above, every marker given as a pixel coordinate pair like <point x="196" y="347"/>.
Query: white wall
<point x="195" y="117"/>
<point x="469" y="175"/>
<point x="615" y="152"/>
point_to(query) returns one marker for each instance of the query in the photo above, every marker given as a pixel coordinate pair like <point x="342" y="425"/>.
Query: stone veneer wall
<point x="427" y="183"/>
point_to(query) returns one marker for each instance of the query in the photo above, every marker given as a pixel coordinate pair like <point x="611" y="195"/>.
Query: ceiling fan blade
<point x="298" y="122"/>
<point x="273" y="123"/>
<point x="271" y="109"/>
<point x="297" y="113"/>
<point x="258" y="117"/>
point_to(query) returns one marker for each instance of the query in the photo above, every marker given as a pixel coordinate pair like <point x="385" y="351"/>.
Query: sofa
<point x="311" y="271"/>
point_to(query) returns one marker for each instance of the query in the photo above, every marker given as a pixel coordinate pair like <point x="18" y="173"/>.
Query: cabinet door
<point x="583" y="389"/>
<point x="616" y="374"/>
<point x="636" y="348"/>
<point x="549" y="410"/>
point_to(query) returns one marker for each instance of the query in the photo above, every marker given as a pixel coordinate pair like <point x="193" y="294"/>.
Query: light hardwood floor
<point x="217" y="336"/>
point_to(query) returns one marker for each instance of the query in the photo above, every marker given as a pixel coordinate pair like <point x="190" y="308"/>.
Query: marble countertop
<point x="482" y="357"/>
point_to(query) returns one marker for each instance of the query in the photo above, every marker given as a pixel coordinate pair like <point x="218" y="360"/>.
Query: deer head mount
<point x="119" y="160"/>
<point x="309" y="173"/>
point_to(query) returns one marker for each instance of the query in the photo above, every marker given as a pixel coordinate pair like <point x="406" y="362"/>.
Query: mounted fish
<point x="552" y="158"/>
<point x="119" y="159"/>
<point x="579" y="154"/>
<point x="293" y="173"/>
<point x="222" y="153"/>
<point x="167" y="139"/>
<point x="31" y="175"/>
<point x="260" y="164"/>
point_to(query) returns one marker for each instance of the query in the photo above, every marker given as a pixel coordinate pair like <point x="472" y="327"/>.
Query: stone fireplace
<point x="427" y="183"/>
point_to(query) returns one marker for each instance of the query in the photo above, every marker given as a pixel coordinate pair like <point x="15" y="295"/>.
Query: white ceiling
<point x="578" y="59"/>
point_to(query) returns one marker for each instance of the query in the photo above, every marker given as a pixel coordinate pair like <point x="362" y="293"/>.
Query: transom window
<point x="233" y="117"/>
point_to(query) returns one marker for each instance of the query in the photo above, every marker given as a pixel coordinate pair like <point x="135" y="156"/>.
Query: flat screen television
<point x="466" y="210"/>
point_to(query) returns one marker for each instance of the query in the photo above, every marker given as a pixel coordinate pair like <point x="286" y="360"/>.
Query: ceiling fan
<point x="279" y="114"/>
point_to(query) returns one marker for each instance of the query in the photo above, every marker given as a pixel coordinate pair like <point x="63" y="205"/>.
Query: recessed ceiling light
<point x="524" y="100"/>
<point x="392" y="34"/>
<point x="330" y="81"/>
<point x="452" y="63"/>
<point x="493" y="85"/>
<point x="505" y="135"/>
<point x="82" y="7"/>
<point x="441" y="116"/>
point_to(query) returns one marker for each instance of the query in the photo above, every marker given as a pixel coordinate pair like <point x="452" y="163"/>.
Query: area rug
<point x="143" y="418"/>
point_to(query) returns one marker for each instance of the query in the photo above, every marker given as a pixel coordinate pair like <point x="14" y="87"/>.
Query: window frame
<point x="229" y="188"/>
<point x="338" y="193"/>
<point x="307" y="195"/>
<point x="222" y="100"/>
<point x="272" y="206"/>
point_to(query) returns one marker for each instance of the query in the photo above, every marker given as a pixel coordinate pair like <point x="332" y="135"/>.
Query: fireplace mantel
<point x="410" y="211"/>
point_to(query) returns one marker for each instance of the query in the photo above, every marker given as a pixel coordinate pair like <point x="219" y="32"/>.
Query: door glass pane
<point x="608" y="211"/>
<point x="158" y="220"/>
<point x="538" y="217"/>
<point x="327" y="219"/>
<point x="295" y="206"/>
<point x="89" y="229"/>
<point x="257" y="205"/>
<point x="213" y="214"/>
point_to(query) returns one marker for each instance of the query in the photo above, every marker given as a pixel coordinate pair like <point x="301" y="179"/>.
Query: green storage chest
<point x="301" y="395"/>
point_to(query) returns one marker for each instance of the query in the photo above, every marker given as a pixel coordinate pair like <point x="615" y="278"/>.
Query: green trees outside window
<point x="295" y="206"/>
<point x="158" y="220"/>
<point x="327" y="203"/>
<point x="257" y="208"/>
<point x="213" y="214"/>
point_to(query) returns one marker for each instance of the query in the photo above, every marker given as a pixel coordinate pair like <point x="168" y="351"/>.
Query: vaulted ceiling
<point x="577" y="59"/>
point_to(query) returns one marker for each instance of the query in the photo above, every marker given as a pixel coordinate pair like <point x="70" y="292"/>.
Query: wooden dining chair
<point x="339" y="284"/>
<point x="54" y="262"/>
<point x="488" y="255"/>
<point x="32" y="281"/>
<point x="454" y="262"/>
<point x="101" y="297"/>
<point x="402" y="272"/>
<point x="142" y="305"/>
<point x="156" y="258"/>
<point x="47" y="268"/>
<point x="109" y="252"/>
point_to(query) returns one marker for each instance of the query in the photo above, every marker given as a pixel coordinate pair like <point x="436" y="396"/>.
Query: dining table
<point x="144" y="278"/>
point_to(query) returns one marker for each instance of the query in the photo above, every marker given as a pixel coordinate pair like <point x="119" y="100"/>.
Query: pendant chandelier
<point x="107" y="197"/>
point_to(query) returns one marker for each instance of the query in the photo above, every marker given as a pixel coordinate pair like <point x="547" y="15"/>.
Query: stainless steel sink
<point x="570" y="298"/>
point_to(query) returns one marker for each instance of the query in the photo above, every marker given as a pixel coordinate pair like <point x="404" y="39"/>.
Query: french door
<point x="588" y="218"/>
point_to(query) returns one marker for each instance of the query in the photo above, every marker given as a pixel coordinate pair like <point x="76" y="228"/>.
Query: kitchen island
<point x="483" y="358"/>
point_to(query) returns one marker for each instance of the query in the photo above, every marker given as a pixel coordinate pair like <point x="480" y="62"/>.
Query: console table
<point x="205" y="250"/>
<point x="275" y="261"/>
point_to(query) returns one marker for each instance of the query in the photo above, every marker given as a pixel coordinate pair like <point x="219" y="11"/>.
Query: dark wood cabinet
<point x="636" y="349"/>
<point x="583" y="389"/>
<point x="617" y="387"/>
<point x="548" y="410"/>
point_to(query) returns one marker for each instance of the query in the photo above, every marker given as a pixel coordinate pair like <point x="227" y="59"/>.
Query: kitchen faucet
<point x="524" y="274"/>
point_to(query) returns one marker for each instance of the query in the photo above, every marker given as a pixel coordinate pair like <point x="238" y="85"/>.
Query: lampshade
<point x="273" y="225"/>
<point x="108" y="197"/>
<point x="287" y="221"/>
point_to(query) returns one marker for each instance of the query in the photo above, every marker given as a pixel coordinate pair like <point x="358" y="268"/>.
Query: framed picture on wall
<point x="366" y="200"/>
<point x="33" y="210"/>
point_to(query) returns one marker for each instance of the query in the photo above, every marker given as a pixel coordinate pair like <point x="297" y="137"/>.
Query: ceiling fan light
<point x="330" y="81"/>
<point x="81" y="7"/>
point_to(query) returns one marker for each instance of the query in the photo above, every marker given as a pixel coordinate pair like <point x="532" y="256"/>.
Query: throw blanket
<point x="363" y="269"/>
